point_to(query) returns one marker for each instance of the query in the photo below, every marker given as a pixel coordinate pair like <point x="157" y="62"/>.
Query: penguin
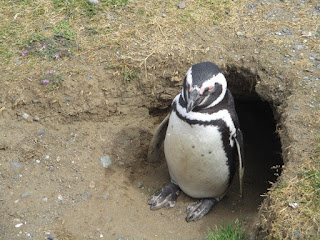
<point x="203" y="143"/>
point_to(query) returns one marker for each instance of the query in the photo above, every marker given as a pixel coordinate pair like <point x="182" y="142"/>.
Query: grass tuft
<point x="228" y="232"/>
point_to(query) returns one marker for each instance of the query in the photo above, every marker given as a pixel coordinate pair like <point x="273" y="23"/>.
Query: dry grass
<point x="133" y="31"/>
<point x="294" y="202"/>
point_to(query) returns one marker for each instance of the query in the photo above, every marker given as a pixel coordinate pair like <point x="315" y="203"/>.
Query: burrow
<point x="259" y="121"/>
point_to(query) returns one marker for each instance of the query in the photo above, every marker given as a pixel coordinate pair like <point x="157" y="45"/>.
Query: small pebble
<point x="106" y="161"/>
<point x="182" y="5"/>
<point x="50" y="238"/>
<point x="37" y="161"/>
<point x="68" y="99"/>
<point x="35" y="101"/>
<point x="18" y="225"/>
<point x="92" y="184"/>
<point x="41" y="132"/>
<point x="296" y="108"/>
<point x="36" y="118"/>
<point x="25" y="116"/>
<point x="110" y="218"/>
<point x="93" y="1"/>
<point x="106" y="197"/>
<point x="239" y="34"/>
<point x="60" y="197"/>
<point x="90" y="76"/>
<point x="26" y="194"/>
<point x="120" y="163"/>
<point x="15" y="164"/>
<point x="139" y="184"/>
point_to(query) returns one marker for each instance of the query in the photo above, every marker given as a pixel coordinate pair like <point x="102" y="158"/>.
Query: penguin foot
<point x="164" y="197"/>
<point x="200" y="209"/>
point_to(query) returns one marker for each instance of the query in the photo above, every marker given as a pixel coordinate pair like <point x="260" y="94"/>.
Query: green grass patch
<point x="231" y="231"/>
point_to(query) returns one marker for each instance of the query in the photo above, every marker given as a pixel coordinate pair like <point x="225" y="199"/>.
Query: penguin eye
<point x="206" y="90"/>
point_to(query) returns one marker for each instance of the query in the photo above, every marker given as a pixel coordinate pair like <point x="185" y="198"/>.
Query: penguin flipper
<point x="157" y="140"/>
<point x="240" y="150"/>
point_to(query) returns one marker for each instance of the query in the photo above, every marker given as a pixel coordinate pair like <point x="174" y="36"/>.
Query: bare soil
<point x="54" y="185"/>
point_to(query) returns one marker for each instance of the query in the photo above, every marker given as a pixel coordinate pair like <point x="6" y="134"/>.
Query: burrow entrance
<point x="263" y="155"/>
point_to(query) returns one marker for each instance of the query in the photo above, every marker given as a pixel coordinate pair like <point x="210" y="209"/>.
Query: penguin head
<point x="204" y="86"/>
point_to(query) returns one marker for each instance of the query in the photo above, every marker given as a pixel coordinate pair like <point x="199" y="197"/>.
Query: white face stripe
<point x="189" y="76"/>
<point x="223" y="115"/>
<point x="189" y="81"/>
<point x="219" y="78"/>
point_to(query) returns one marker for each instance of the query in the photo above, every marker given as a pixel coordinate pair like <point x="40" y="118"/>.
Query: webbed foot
<point x="200" y="209"/>
<point x="164" y="197"/>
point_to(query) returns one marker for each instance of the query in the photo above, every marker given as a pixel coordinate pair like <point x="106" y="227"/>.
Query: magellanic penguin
<point x="203" y="142"/>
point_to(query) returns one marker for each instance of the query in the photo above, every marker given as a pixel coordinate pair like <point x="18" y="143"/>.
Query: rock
<point x="139" y="184"/>
<point x="18" y="225"/>
<point x="105" y="161"/>
<point x="26" y="194"/>
<point x="41" y="132"/>
<point x="92" y="184"/>
<point x="15" y="164"/>
<point x="68" y="99"/>
<point x="106" y="197"/>
<point x="182" y="5"/>
<point x="25" y="116"/>
<point x="36" y="118"/>
<point x="120" y="163"/>
<point x="239" y="34"/>
<point x="296" y="108"/>
<point x="306" y="34"/>
<point x="93" y="1"/>
<point x="35" y="101"/>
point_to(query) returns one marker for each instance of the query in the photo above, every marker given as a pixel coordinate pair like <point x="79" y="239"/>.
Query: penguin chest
<point x="196" y="158"/>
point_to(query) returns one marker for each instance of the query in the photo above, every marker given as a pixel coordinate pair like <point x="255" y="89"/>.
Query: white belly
<point x="196" y="159"/>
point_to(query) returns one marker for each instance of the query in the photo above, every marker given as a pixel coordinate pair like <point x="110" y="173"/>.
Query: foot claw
<point x="165" y="197"/>
<point x="200" y="209"/>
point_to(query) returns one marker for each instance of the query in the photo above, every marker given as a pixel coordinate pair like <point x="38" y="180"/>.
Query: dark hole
<point x="263" y="156"/>
<point x="261" y="142"/>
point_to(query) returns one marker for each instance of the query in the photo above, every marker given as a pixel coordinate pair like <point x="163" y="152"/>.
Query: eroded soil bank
<point x="54" y="185"/>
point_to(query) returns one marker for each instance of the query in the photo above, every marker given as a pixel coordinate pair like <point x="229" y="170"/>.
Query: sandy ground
<point x="53" y="185"/>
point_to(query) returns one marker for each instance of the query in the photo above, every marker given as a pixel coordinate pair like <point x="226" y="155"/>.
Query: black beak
<point x="192" y="101"/>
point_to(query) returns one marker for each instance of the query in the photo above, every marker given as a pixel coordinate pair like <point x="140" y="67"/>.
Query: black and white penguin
<point x="203" y="142"/>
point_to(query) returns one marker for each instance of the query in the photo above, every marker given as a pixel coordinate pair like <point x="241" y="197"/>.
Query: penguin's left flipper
<point x="239" y="143"/>
<point x="157" y="140"/>
<point x="200" y="209"/>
